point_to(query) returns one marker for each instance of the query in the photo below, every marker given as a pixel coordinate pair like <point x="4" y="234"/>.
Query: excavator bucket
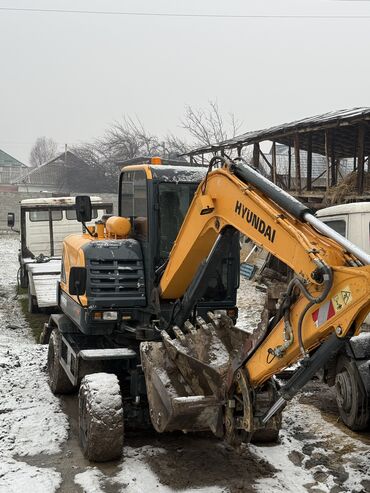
<point x="188" y="376"/>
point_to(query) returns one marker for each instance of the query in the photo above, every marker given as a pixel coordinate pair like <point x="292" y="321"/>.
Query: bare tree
<point x="43" y="151"/>
<point x="129" y="139"/>
<point x="207" y="125"/>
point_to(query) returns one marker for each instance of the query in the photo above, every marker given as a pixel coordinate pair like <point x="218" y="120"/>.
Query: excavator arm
<point x="325" y="303"/>
<point x="331" y="279"/>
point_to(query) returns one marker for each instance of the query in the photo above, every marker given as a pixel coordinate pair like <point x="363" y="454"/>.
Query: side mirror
<point x="11" y="219"/>
<point x="77" y="281"/>
<point x="83" y="209"/>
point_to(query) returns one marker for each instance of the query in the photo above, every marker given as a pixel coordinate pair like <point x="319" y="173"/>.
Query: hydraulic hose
<point x="328" y="282"/>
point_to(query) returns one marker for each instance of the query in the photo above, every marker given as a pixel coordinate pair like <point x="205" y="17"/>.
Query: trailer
<point x="44" y="223"/>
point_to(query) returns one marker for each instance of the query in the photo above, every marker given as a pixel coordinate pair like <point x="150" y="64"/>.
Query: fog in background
<point x="69" y="76"/>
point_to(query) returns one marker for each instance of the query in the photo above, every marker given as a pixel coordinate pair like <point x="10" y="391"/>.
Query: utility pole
<point x="65" y="154"/>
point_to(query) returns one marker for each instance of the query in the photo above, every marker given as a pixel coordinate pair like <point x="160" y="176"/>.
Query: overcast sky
<point x="68" y="76"/>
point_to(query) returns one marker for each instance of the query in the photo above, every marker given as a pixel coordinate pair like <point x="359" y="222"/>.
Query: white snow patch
<point x="250" y="303"/>
<point x="89" y="480"/>
<point x="19" y="477"/>
<point x="31" y="420"/>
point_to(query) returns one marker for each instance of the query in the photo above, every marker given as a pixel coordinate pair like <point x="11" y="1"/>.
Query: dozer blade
<point x="188" y="377"/>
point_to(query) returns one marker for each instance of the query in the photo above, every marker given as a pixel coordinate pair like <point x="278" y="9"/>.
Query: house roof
<point x="52" y="171"/>
<point x="8" y="160"/>
<point x="342" y="123"/>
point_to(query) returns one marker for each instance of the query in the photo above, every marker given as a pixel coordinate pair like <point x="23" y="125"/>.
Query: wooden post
<point x="297" y="157"/>
<point x="256" y="155"/>
<point x="289" y="166"/>
<point x="273" y="163"/>
<point x="309" y="162"/>
<point x="327" y="155"/>
<point x="333" y="162"/>
<point x="360" y="159"/>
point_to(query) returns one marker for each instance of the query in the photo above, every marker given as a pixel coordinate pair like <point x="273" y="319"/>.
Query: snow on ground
<point x="314" y="455"/>
<point x="250" y="303"/>
<point x="134" y="476"/>
<point x="31" y="421"/>
<point x="326" y="455"/>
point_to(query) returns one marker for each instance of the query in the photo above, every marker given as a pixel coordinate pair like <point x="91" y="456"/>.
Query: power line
<point x="174" y="14"/>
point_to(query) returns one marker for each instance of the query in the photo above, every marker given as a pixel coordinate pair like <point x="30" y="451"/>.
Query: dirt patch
<point x="35" y="321"/>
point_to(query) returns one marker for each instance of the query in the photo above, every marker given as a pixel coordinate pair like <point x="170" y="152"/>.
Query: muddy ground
<point x="39" y="449"/>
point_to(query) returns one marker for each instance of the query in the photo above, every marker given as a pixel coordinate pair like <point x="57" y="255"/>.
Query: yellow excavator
<point x="148" y="327"/>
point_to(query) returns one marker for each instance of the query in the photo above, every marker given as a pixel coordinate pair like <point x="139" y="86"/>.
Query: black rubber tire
<point x="32" y="303"/>
<point x="101" y="429"/>
<point x="352" y="401"/>
<point x="58" y="380"/>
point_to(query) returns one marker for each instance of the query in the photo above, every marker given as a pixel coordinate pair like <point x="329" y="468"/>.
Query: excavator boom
<point x="325" y="303"/>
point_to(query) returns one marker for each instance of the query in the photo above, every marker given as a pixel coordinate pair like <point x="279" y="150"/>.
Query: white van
<point x="351" y="221"/>
<point x="45" y="222"/>
<point x="349" y="372"/>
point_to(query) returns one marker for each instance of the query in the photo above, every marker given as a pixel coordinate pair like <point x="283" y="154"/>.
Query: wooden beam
<point x="297" y="157"/>
<point x="327" y="155"/>
<point x="360" y="159"/>
<point x="333" y="162"/>
<point x="256" y="155"/>
<point x="273" y="162"/>
<point x="265" y="159"/>
<point x="289" y="166"/>
<point x="309" y="162"/>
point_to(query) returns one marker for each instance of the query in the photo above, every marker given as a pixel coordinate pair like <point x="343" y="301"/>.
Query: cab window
<point x="36" y="216"/>
<point x="174" y="202"/>
<point x="339" y="225"/>
<point x="71" y="214"/>
<point x="134" y="202"/>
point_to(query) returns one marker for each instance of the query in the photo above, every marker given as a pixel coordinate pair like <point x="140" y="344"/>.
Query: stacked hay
<point x="342" y="192"/>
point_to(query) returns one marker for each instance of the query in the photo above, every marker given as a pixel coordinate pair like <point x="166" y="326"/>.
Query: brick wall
<point x="10" y="202"/>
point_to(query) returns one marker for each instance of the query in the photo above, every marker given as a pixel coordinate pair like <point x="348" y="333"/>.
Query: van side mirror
<point x="77" y="281"/>
<point x="83" y="209"/>
<point x="11" y="219"/>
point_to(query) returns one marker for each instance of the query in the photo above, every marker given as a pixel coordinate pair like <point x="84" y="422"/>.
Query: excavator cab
<point x="155" y="198"/>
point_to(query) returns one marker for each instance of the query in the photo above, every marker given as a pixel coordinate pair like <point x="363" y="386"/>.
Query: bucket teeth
<point x="189" y="327"/>
<point x="188" y="373"/>
<point x="179" y="334"/>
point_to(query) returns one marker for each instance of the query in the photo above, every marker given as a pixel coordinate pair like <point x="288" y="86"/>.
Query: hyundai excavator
<point x="148" y="328"/>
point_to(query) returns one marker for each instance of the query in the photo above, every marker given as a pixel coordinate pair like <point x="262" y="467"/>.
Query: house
<point x="10" y="170"/>
<point x="64" y="174"/>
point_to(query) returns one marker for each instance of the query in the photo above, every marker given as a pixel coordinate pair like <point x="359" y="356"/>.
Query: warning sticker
<point x="332" y="307"/>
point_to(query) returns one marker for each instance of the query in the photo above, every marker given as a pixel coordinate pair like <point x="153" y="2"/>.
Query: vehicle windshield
<point x="174" y="202"/>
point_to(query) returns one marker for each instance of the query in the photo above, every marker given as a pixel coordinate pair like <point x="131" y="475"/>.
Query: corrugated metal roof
<point x="8" y="160"/>
<point x="344" y="133"/>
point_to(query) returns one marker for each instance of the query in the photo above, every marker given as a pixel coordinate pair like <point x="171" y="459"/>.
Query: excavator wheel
<point x="353" y="402"/>
<point x="58" y="380"/>
<point x="263" y="402"/>
<point x="101" y="428"/>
